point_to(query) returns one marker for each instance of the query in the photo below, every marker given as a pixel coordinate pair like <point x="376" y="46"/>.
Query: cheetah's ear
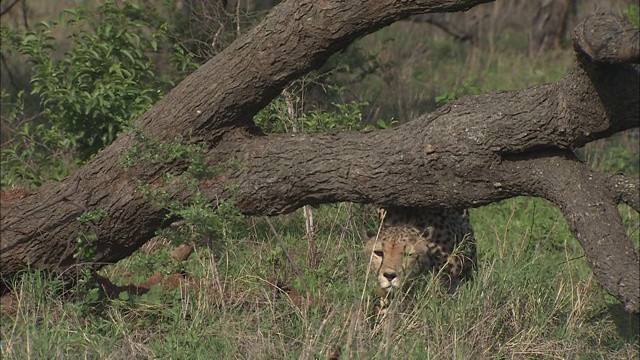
<point x="428" y="234"/>
<point x="369" y="239"/>
<point x="366" y="234"/>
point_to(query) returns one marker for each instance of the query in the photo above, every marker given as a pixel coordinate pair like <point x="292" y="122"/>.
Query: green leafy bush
<point x="89" y="94"/>
<point x="278" y="117"/>
<point x="36" y="152"/>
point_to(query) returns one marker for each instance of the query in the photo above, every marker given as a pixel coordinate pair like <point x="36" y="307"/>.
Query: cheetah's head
<point x="397" y="253"/>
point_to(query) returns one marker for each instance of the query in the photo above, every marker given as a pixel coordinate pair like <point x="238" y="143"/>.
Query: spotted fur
<point x="413" y="241"/>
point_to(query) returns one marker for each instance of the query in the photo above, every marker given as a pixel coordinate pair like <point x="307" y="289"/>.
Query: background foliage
<point x="88" y="94"/>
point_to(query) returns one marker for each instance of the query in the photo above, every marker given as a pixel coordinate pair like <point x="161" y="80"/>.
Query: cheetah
<point x="412" y="241"/>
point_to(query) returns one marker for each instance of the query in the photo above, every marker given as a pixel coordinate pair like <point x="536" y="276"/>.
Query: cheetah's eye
<point x="378" y="253"/>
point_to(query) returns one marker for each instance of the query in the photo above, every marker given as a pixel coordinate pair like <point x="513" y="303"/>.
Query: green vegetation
<point x="268" y="288"/>
<point x="633" y="13"/>
<point x="86" y="96"/>
<point x="533" y="296"/>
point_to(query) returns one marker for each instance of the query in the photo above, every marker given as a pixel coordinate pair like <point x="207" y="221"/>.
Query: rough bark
<point x="468" y="153"/>
<point x="616" y="41"/>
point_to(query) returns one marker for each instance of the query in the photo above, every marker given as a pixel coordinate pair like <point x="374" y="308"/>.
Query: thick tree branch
<point x="624" y="189"/>
<point x="294" y="38"/>
<point x="217" y="101"/>
<point x="608" y="39"/>
<point x="591" y="211"/>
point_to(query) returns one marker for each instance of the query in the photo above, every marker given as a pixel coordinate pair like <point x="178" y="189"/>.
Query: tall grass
<point x="533" y="297"/>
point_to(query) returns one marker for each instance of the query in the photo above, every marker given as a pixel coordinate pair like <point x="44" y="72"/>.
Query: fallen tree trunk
<point x="469" y="153"/>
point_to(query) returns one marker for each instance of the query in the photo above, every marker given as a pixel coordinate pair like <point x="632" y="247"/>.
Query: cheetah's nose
<point x="390" y="275"/>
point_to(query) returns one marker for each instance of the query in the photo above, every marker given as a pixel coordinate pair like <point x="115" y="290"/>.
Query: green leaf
<point x="127" y="53"/>
<point x="29" y="38"/>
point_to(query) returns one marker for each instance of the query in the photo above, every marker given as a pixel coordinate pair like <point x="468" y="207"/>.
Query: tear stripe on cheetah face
<point x="451" y="228"/>
<point x="398" y="253"/>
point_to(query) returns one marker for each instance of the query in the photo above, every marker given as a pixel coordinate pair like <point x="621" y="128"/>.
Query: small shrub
<point x="89" y="94"/>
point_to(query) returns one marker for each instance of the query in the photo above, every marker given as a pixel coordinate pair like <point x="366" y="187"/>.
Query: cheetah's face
<point x="396" y="255"/>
